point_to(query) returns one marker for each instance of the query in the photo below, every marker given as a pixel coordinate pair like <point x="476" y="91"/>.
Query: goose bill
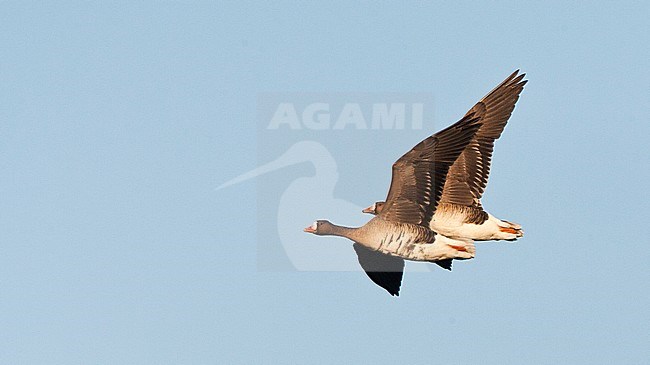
<point x="310" y="229"/>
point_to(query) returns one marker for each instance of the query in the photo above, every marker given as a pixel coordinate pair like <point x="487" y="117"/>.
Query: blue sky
<point x="119" y="121"/>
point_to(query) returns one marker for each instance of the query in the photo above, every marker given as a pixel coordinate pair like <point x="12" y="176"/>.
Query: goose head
<point x="320" y="227"/>
<point x="375" y="208"/>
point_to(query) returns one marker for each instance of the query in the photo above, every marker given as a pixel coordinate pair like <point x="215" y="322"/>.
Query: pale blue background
<point x="117" y="121"/>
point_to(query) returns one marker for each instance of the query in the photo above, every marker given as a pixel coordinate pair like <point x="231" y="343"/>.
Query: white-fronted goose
<point x="459" y="213"/>
<point x="401" y="230"/>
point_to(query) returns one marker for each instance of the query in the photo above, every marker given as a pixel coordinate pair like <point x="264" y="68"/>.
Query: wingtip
<point x="518" y="79"/>
<point x="394" y="291"/>
<point x="445" y="264"/>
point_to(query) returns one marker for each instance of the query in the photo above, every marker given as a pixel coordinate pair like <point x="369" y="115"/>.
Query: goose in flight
<point x="459" y="213"/>
<point x="402" y="229"/>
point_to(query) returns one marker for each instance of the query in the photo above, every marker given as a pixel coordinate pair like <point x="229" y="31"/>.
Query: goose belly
<point x="438" y="248"/>
<point x="452" y="224"/>
<point x="397" y="243"/>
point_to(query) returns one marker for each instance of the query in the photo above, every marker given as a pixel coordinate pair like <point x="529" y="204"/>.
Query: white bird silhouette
<point x="309" y="197"/>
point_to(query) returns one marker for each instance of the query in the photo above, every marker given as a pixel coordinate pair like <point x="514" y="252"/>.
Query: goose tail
<point x="514" y="230"/>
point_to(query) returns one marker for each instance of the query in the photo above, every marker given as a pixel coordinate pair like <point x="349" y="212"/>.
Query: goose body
<point x="406" y="240"/>
<point x="466" y="223"/>
<point x="457" y="221"/>
<point x="459" y="214"/>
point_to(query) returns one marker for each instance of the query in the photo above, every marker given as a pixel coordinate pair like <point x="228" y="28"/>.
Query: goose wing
<point x="468" y="176"/>
<point x="419" y="176"/>
<point x="384" y="270"/>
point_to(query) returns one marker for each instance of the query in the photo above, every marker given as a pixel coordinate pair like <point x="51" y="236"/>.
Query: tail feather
<point x="513" y="224"/>
<point x="470" y="248"/>
<point x="512" y="228"/>
<point x="462" y="250"/>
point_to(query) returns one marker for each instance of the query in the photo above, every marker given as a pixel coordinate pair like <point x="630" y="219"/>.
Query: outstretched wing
<point x="468" y="176"/>
<point x="419" y="176"/>
<point x="384" y="270"/>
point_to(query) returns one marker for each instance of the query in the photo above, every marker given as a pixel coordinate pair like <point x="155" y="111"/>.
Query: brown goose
<point x="459" y="213"/>
<point x="401" y="230"/>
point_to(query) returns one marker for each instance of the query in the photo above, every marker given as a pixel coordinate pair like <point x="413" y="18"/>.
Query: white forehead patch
<point x="314" y="226"/>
